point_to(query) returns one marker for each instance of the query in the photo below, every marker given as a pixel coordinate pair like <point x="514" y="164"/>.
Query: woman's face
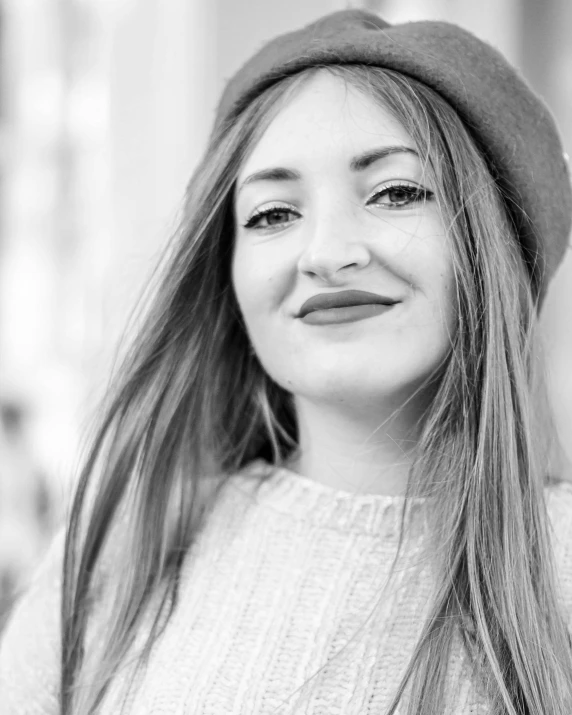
<point x="334" y="198"/>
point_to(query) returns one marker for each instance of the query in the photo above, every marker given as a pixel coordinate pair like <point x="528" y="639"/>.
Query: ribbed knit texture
<point x="280" y="580"/>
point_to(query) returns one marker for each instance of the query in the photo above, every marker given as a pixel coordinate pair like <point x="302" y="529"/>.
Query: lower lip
<point x="348" y="314"/>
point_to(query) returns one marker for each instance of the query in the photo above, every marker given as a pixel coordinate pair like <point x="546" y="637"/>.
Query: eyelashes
<point x="401" y="194"/>
<point x="393" y="196"/>
<point x="271" y="213"/>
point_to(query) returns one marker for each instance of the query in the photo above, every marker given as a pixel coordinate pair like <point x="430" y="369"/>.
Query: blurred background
<point x="105" y="108"/>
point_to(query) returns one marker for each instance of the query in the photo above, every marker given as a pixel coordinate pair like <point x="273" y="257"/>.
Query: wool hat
<point x="510" y="124"/>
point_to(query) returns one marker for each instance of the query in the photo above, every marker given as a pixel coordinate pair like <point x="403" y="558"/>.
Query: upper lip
<point x="342" y="299"/>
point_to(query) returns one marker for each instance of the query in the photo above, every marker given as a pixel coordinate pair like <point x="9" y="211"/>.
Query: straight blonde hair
<point x="191" y="405"/>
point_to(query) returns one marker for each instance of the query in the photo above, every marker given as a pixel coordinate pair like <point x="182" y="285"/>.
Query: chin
<point x="388" y="390"/>
<point x="365" y="376"/>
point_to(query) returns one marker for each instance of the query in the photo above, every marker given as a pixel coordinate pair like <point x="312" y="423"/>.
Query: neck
<point x="365" y="452"/>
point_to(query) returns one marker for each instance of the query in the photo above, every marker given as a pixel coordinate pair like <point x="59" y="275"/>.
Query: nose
<point x="335" y="245"/>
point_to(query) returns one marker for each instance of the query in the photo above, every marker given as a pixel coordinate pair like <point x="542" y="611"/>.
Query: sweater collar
<point x="285" y="491"/>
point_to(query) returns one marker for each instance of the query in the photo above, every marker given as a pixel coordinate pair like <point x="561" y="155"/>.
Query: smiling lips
<point x="343" y="306"/>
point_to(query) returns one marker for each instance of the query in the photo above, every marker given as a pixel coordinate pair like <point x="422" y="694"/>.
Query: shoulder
<point x="559" y="506"/>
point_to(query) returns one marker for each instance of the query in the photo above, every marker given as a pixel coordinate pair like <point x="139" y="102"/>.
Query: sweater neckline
<point x="287" y="492"/>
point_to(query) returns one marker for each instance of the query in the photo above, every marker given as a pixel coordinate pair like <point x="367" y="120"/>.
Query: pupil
<point x="274" y="216"/>
<point x="398" y="196"/>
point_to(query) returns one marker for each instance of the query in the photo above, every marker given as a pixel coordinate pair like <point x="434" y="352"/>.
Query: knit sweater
<point x="285" y="574"/>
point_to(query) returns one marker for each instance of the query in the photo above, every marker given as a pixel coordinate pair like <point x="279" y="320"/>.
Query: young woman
<point x="324" y="482"/>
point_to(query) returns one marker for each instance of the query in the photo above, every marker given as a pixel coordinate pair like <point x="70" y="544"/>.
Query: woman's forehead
<point x="329" y="116"/>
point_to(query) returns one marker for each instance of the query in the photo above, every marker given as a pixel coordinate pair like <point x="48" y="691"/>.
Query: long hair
<point x="191" y="405"/>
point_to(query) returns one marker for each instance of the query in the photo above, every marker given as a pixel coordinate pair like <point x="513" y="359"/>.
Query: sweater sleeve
<point x="30" y="643"/>
<point x="560" y="512"/>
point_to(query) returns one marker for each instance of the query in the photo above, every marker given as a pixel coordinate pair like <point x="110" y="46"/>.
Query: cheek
<point x="434" y="267"/>
<point x="258" y="285"/>
<point x="432" y="277"/>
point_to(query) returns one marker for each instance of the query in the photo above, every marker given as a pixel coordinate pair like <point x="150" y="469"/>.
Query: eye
<point x="399" y="195"/>
<point x="271" y="216"/>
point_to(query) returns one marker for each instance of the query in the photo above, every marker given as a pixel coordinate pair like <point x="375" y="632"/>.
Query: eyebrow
<point x="357" y="163"/>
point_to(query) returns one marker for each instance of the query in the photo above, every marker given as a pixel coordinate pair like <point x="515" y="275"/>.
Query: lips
<point x="342" y="299"/>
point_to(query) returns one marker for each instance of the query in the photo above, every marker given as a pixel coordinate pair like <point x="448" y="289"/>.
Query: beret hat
<point x="512" y="127"/>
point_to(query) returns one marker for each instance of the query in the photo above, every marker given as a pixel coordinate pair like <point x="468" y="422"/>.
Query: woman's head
<point x="421" y="223"/>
